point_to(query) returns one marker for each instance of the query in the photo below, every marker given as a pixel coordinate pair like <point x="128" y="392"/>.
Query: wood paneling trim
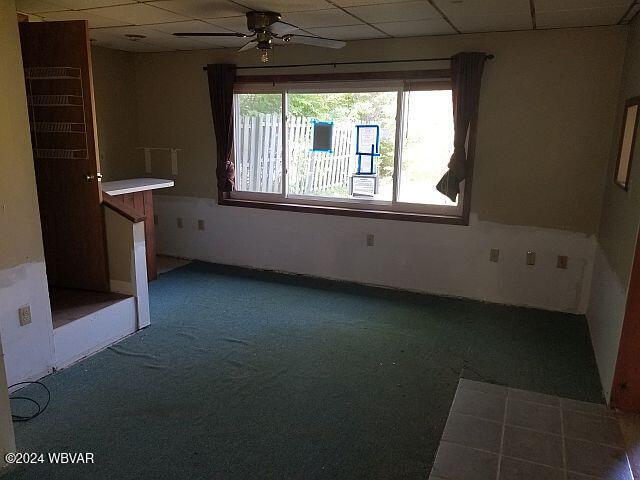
<point x="122" y="208"/>
<point x="625" y="391"/>
<point x="348" y="212"/>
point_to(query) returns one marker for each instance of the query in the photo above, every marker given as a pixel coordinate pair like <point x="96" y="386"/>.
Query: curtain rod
<point x="330" y="64"/>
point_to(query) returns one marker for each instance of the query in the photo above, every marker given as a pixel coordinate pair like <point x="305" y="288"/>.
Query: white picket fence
<point x="258" y="144"/>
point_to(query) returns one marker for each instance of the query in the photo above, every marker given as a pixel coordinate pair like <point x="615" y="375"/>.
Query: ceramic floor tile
<point x="533" y="446"/>
<point x="484" y="387"/>
<point x="455" y="462"/>
<point x="535" y="416"/>
<point x="473" y="432"/>
<point x="586" y="407"/>
<point x="593" y="428"/>
<point x="479" y="404"/>
<point x="579" y="476"/>
<point x="512" y="469"/>
<point x="533" y="397"/>
<point x="597" y="460"/>
<point x="494" y="431"/>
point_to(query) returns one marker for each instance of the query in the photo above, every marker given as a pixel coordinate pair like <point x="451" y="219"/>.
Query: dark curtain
<point x="221" y="79"/>
<point x="466" y="75"/>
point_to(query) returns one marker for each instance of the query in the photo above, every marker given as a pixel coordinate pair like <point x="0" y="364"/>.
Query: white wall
<point x="441" y="259"/>
<point x="28" y="350"/>
<point x="617" y="235"/>
<point x="7" y="442"/>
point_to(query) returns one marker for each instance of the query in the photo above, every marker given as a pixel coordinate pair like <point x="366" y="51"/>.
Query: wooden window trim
<point x="345" y="77"/>
<point x="224" y="198"/>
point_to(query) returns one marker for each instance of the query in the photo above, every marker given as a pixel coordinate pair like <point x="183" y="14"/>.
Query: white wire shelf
<point x="60" y="153"/>
<point x="58" y="127"/>
<point x="55" y="101"/>
<point x="52" y="73"/>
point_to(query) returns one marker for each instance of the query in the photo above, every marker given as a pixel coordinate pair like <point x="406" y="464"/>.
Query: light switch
<point x="531" y="258"/>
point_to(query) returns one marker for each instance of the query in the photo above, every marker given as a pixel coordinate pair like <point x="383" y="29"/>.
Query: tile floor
<point x="500" y="433"/>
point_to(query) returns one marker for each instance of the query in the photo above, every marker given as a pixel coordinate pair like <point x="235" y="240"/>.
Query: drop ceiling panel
<point x="192" y="26"/>
<point x="632" y="13"/>
<point x="494" y="23"/>
<point x="356" y="3"/>
<point x="153" y="37"/>
<point x="229" y="42"/>
<point x="128" y="45"/>
<point x="138" y="14"/>
<point x="36" y="6"/>
<point x="469" y="8"/>
<point x="333" y="17"/>
<point x="583" y="17"/>
<point x="284" y="6"/>
<point x="559" y="5"/>
<point x="201" y="8"/>
<point x="95" y="21"/>
<point x="416" y="28"/>
<point x="398" y="12"/>
<point x="353" y="32"/>
<point x="188" y="26"/>
<point x="235" y="24"/>
<point x="84" y="4"/>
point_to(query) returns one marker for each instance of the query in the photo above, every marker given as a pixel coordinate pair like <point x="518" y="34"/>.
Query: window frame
<point x="399" y="82"/>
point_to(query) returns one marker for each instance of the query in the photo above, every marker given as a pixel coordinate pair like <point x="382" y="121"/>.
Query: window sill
<point x="347" y="212"/>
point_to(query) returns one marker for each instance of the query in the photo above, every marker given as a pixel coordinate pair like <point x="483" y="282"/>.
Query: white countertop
<point x="120" y="187"/>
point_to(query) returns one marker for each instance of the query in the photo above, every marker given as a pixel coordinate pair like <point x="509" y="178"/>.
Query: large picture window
<point x="369" y="146"/>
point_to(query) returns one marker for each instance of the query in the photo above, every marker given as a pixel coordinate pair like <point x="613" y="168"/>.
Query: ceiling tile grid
<point x="395" y="12"/>
<point x="111" y="20"/>
<point x="416" y="28"/>
<point x="201" y="8"/>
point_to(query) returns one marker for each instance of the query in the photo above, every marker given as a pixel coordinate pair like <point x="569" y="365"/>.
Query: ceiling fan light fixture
<point x="264" y="56"/>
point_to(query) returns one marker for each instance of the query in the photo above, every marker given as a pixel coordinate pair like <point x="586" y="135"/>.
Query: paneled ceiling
<point x="113" y="22"/>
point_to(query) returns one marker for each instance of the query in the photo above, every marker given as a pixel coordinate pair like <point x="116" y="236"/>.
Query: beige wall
<point x="116" y="113"/>
<point x="621" y="209"/>
<point x="547" y="112"/>
<point x="21" y="237"/>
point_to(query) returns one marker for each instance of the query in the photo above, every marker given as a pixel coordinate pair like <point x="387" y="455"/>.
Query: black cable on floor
<point x="41" y="408"/>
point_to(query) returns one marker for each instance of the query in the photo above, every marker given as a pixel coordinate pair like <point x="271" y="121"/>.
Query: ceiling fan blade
<point x="212" y="34"/>
<point x="248" y="45"/>
<point x="316" y="41"/>
<point x="283" y="28"/>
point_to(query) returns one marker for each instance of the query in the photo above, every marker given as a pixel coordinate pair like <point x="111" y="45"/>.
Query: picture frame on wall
<point x="628" y="136"/>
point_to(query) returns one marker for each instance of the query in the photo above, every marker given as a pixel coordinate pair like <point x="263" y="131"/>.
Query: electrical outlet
<point x="24" y="314"/>
<point x="562" y="262"/>
<point x="370" y="240"/>
<point x="179" y="221"/>
<point x="531" y="258"/>
<point x="494" y="255"/>
<point x="200" y="224"/>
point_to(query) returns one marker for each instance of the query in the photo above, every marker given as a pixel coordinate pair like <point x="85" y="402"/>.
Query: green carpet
<point x="249" y="375"/>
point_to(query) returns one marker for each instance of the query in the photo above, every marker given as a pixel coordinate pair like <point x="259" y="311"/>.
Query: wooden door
<point x="57" y="63"/>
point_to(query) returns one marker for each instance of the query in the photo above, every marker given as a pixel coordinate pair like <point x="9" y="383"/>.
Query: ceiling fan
<point x="266" y="27"/>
